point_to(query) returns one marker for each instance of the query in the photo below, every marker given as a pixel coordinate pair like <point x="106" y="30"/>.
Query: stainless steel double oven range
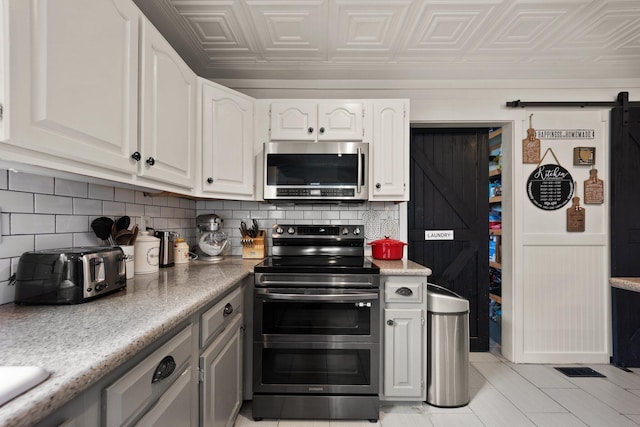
<point x="316" y="340"/>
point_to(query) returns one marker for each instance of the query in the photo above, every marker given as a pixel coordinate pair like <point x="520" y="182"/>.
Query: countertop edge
<point x="627" y="283"/>
<point x="401" y="268"/>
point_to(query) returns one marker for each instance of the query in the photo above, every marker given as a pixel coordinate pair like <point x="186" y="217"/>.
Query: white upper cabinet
<point x="4" y="66"/>
<point x="389" y="164"/>
<point x="74" y="81"/>
<point x="167" y="108"/>
<point x="227" y="142"/>
<point x="317" y="121"/>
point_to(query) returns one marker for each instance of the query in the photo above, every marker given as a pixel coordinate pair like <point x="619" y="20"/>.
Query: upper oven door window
<point x="333" y="314"/>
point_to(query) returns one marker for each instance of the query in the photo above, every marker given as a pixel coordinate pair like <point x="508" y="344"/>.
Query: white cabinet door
<point x="221" y="392"/>
<point x="389" y="150"/>
<point x="317" y="121"/>
<point x="174" y="406"/>
<point x="4" y="66"/>
<point x="297" y="121"/>
<point x="168" y="103"/>
<point x="403" y="352"/>
<point x="227" y="142"/>
<point x="340" y="121"/>
<point x="74" y="81"/>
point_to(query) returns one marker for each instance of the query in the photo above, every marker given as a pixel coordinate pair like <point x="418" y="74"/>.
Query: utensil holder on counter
<point x="254" y="247"/>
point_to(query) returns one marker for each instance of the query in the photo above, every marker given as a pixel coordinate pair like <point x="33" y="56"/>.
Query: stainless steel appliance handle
<point x="319" y="297"/>
<point x="319" y="281"/>
<point x="358" y="186"/>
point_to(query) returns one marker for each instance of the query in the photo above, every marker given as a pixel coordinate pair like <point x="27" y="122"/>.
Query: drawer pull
<point x="164" y="369"/>
<point x="404" y="291"/>
<point x="228" y="309"/>
<point x="390" y="322"/>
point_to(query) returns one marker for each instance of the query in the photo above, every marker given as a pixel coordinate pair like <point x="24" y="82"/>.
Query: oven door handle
<point x="310" y="283"/>
<point x="355" y="297"/>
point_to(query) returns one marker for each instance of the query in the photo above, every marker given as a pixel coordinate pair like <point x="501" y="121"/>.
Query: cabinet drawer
<point x="220" y="315"/>
<point x="407" y="292"/>
<point x="135" y="389"/>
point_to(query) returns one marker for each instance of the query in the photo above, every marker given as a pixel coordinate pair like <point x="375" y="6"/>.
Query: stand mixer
<point x="211" y="241"/>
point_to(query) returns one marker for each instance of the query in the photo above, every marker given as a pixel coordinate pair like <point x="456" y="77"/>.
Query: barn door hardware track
<point x="621" y="101"/>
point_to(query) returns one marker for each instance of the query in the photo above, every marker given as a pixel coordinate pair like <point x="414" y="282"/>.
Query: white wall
<point x="555" y="290"/>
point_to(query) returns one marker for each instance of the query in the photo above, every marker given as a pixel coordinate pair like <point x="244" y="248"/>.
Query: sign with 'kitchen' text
<point x="438" y="234"/>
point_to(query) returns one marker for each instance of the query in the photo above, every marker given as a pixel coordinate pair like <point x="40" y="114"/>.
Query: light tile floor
<point x="510" y="395"/>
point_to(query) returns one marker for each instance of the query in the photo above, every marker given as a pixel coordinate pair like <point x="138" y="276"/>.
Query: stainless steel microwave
<point x="316" y="172"/>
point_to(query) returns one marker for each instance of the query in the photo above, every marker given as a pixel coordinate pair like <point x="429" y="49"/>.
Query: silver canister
<point x="166" y="247"/>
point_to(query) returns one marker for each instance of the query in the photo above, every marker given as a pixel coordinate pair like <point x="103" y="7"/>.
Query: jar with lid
<point x="147" y="253"/>
<point x="180" y="251"/>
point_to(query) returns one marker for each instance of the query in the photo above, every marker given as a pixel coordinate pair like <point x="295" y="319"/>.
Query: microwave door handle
<point x="359" y="178"/>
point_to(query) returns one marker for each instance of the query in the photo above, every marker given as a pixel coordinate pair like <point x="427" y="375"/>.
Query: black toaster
<point x="69" y="275"/>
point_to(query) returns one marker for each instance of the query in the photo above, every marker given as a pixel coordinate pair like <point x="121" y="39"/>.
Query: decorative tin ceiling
<point x="403" y="39"/>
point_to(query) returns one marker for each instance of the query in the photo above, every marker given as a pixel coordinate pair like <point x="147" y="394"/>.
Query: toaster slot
<point x="97" y="270"/>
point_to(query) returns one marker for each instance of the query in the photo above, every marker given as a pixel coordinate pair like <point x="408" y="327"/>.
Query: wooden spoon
<point x="134" y="234"/>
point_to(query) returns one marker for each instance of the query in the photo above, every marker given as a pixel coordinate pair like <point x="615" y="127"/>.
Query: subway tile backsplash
<point x="39" y="212"/>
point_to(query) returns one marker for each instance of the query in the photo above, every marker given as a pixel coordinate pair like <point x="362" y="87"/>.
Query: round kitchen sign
<point x="550" y="187"/>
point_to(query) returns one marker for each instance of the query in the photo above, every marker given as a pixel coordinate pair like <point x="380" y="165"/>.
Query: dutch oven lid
<point x="388" y="241"/>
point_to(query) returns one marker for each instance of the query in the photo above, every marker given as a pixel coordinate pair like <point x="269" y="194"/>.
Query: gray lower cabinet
<point x="221" y="386"/>
<point x="190" y="377"/>
<point x="404" y="348"/>
<point x="174" y="406"/>
<point x="163" y="380"/>
<point x="221" y="361"/>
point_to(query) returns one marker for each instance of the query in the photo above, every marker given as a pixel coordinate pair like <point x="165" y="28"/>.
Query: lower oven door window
<point x="305" y="369"/>
<point x="337" y="317"/>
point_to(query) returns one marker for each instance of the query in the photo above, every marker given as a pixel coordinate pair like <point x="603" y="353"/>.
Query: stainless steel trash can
<point x="448" y="347"/>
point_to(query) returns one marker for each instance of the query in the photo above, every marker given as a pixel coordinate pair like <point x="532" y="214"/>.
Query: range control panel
<point x="329" y="232"/>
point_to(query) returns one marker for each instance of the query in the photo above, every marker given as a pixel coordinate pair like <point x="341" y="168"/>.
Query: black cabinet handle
<point x="378" y="185"/>
<point x="310" y="130"/>
<point x="151" y="161"/>
<point x="322" y="130"/>
<point x="390" y="322"/>
<point x="164" y="370"/>
<point x="228" y="309"/>
<point x="136" y="156"/>
<point x="404" y="291"/>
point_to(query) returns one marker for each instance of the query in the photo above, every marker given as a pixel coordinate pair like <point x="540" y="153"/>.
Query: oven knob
<point x="345" y="231"/>
<point x="291" y="230"/>
<point x="279" y="230"/>
<point x="356" y="231"/>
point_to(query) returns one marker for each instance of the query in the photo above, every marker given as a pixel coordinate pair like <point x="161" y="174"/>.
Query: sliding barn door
<point x="625" y="192"/>
<point x="449" y="191"/>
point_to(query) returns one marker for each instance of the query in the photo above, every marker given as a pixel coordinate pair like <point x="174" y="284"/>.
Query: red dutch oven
<point x="389" y="249"/>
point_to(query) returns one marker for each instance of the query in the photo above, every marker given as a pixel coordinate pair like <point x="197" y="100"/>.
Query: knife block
<point x="254" y="248"/>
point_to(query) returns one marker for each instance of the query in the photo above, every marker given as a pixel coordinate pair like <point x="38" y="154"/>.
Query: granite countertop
<point x="402" y="268"/>
<point x="80" y="344"/>
<point x="628" y="283"/>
